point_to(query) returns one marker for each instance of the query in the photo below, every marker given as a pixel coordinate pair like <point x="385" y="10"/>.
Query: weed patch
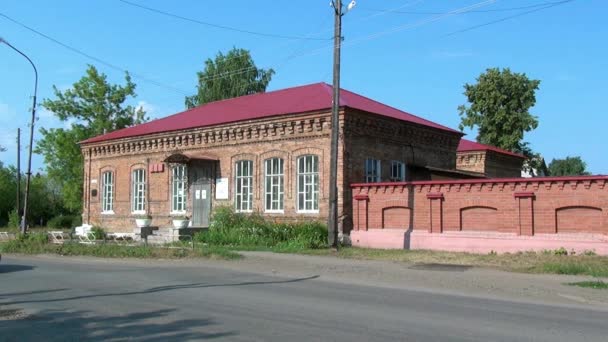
<point x="253" y="231"/>
<point x="37" y="243"/>
<point x="598" y="284"/>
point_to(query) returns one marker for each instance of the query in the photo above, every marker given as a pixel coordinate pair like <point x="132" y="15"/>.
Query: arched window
<point x="178" y="188"/>
<point x="308" y="184"/>
<point x="274" y="184"/>
<point x="107" y="192"/>
<point x="138" y="194"/>
<point x="243" y="190"/>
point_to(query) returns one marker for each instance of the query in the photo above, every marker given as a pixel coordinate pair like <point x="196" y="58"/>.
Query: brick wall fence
<point x="501" y="215"/>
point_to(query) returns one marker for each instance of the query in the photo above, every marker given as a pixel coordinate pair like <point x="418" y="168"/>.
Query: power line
<point x="122" y="69"/>
<point x="98" y="60"/>
<point x="508" y="9"/>
<point x="229" y="28"/>
<point x="395" y="29"/>
<point x="550" y="5"/>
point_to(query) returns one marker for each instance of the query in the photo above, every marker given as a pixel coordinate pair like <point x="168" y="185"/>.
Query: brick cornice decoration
<point x="295" y="127"/>
<point x="573" y="182"/>
<point x="366" y="124"/>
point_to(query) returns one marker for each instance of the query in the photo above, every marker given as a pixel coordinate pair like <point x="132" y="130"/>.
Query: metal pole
<point x="29" y="158"/>
<point x="19" y="172"/>
<point x="332" y="223"/>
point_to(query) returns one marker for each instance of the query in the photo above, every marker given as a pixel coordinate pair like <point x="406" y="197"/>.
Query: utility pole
<point x="332" y="224"/>
<point x="29" y="159"/>
<point x="19" y="172"/>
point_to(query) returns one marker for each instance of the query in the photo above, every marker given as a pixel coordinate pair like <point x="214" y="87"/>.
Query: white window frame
<point x="243" y="199"/>
<point x="138" y="188"/>
<point x="373" y="170"/>
<point x="274" y="180"/>
<point x="307" y="183"/>
<point x="397" y="171"/>
<point x="179" y="181"/>
<point x="107" y="192"/>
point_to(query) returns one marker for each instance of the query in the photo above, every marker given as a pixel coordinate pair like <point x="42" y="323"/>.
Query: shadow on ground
<point x="440" y="267"/>
<point x="14" y="268"/>
<point x="52" y="325"/>
<point x="159" y="289"/>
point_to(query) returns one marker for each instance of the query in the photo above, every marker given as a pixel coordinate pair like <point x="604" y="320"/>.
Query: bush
<point x="252" y="230"/>
<point x="14" y="221"/>
<point x="28" y="243"/>
<point x="99" y="233"/>
<point x="61" y="222"/>
<point x="76" y="221"/>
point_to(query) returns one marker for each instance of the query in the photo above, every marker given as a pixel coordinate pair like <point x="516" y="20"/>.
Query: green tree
<point x="231" y="75"/>
<point x="8" y="192"/>
<point x="570" y="166"/>
<point x="91" y="107"/>
<point x="499" y="107"/>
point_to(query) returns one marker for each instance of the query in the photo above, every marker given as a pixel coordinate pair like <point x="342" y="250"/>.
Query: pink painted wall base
<point x="478" y="242"/>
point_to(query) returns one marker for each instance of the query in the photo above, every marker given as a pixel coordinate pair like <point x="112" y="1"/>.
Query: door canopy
<point x="187" y="157"/>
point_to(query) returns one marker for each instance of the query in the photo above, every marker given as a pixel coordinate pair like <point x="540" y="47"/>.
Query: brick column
<point x="525" y="212"/>
<point x="360" y="215"/>
<point x="436" y="211"/>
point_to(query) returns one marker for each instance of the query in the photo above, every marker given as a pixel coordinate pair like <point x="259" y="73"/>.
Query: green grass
<point x="598" y="284"/>
<point x="37" y="244"/>
<point x="525" y="262"/>
<point x="252" y="231"/>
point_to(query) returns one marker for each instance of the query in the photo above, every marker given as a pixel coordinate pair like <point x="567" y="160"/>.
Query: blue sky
<point x="413" y="64"/>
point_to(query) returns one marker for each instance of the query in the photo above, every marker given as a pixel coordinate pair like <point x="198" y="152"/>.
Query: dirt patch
<point x="12" y="314"/>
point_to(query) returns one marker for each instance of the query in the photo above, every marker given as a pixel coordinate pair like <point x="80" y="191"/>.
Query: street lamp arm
<point x="29" y="159"/>
<point x="28" y="59"/>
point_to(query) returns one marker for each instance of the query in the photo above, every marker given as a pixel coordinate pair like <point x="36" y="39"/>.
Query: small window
<point x="107" y="194"/>
<point x="372" y="171"/>
<point x="243" y="180"/>
<point x="274" y="184"/>
<point x="308" y="184"/>
<point x="138" y="180"/>
<point x="178" y="189"/>
<point x="397" y="171"/>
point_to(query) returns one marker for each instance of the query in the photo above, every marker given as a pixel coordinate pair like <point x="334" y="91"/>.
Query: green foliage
<point x="99" y="233"/>
<point x="571" y="166"/>
<point x="14" y="221"/>
<point x="92" y="106"/>
<point x="76" y="221"/>
<point x="597" y="284"/>
<point x="248" y="230"/>
<point x="29" y="243"/>
<point x="8" y="192"/>
<point x="499" y="108"/>
<point x="561" y="251"/>
<point x="244" y="78"/>
<point x="37" y="243"/>
<point x="577" y="266"/>
<point x="61" y="222"/>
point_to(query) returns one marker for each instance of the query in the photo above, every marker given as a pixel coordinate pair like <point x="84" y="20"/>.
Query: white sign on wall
<point x="221" y="188"/>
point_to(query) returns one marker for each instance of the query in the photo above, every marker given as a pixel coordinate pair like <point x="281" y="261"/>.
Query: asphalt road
<point x="98" y="300"/>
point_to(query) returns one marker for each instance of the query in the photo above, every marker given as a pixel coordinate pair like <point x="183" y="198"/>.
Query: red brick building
<point x="266" y="153"/>
<point x="488" y="161"/>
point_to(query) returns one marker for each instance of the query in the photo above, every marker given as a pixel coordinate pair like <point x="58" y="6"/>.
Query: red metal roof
<point x="468" y="145"/>
<point x="302" y="99"/>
